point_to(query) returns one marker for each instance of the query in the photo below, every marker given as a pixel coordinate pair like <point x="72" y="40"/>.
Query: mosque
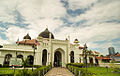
<point x="45" y="50"/>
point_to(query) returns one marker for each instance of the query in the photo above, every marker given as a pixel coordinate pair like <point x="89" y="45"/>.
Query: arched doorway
<point x="44" y="57"/>
<point x="57" y="59"/>
<point x="96" y="61"/>
<point x="91" y="60"/>
<point x="72" y="57"/>
<point x="7" y="59"/>
<point x="30" y="59"/>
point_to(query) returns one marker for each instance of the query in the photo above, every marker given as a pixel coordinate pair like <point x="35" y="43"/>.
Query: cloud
<point x="6" y="8"/>
<point x="100" y="22"/>
<point x="101" y="12"/>
<point x="3" y="41"/>
<point x="80" y="4"/>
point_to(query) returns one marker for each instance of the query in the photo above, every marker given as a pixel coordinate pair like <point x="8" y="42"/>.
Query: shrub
<point x="41" y="69"/>
<point x="0" y="65"/>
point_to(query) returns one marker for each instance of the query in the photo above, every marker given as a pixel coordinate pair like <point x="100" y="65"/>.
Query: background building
<point x="111" y="51"/>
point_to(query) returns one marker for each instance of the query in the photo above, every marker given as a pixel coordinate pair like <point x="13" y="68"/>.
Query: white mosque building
<point x="45" y="50"/>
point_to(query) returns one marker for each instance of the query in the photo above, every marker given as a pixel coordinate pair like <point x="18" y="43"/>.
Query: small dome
<point x="45" y="34"/>
<point x="27" y="37"/>
<point x="76" y="41"/>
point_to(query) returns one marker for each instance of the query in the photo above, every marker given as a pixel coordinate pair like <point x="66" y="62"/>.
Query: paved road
<point x="59" y="72"/>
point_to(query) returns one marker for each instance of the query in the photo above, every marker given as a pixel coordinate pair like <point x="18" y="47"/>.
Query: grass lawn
<point x="9" y="71"/>
<point x="101" y="71"/>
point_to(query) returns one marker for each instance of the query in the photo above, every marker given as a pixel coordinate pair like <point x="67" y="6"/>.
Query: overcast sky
<point x="95" y="22"/>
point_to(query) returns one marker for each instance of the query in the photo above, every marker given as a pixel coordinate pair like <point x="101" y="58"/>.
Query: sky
<point x="94" y="22"/>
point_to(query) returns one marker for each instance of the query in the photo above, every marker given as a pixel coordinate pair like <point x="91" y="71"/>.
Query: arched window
<point x="7" y="59"/>
<point x="72" y="57"/>
<point x="30" y="59"/>
<point x="91" y="60"/>
<point x="20" y="56"/>
<point x="44" y="57"/>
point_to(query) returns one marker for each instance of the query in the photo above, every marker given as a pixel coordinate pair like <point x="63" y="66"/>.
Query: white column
<point x="88" y="60"/>
<point x="48" y="58"/>
<point x="82" y="59"/>
<point x="93" y="59"/>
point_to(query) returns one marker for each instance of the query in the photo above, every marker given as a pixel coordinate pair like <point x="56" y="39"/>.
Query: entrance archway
<point x="57" y="59"/>
<point x="44" y="57"/>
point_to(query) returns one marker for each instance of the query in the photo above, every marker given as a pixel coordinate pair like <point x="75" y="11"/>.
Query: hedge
<point x="76" y="70"/>
<point x="80" y="65"/>
<point x="37" y="72"/>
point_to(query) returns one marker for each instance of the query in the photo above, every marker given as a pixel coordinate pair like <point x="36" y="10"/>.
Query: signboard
<point x="16" y="62"/>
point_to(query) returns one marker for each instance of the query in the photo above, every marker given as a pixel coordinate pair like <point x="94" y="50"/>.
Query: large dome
<point x="45" y="34"/>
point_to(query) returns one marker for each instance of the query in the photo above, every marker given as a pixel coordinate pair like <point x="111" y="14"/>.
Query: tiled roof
<point x="106" y="58"/>
<point x="81" y="47"/>
<point x="117" y="55"/>
<point x="96" y="52"/>
<point x="28" y="42"/>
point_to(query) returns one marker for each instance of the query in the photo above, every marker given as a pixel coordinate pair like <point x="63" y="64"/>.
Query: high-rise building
<point x="111" y="51"/>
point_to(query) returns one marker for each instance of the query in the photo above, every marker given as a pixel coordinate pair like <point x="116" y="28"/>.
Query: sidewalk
<point x="59" y="72"/>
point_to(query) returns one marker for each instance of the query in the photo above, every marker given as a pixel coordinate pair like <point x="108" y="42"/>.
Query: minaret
<point x="50" y="48"/>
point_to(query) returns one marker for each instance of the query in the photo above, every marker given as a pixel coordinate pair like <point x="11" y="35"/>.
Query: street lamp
<point x="85" y="53"/>
<point x="34" y="48"/>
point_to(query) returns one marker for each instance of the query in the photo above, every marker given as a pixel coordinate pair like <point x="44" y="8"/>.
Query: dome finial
<point x="76" y="41"/>
<point x="27" y="36"/>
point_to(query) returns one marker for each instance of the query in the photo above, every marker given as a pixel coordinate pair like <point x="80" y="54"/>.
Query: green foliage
<point x="91" y="71"/>
<point x="80" y="65"/>
<point x="5" y="65"/>
<point x="114" y="67"/>
<point x="42" y="70"/>
<point x="25" y="71"/>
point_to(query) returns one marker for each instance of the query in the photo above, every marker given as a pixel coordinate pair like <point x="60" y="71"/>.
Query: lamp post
<point x="85" y="53"/>
<point x="34" y="48"/>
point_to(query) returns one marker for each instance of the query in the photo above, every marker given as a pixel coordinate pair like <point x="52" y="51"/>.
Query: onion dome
<point x="45" y="34"/>
<point x="76" y="41"/>
<point x="27" y="37"/>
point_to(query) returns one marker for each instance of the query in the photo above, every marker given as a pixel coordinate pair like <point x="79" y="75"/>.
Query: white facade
<point x="51" y="47"/>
